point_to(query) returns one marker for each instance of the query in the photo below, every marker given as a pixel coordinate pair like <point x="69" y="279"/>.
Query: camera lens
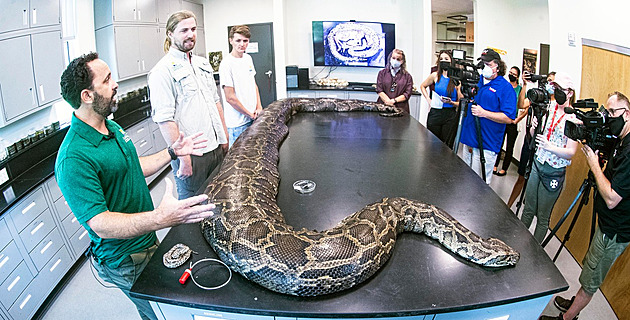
<point x="537" y="95"/>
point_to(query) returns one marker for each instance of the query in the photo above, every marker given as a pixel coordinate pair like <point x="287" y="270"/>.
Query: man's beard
<point x="180" y="45"/>
<point x="104" y="107"/>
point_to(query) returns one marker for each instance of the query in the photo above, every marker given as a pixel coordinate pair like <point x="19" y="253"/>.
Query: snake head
<point x="504" y="255"/>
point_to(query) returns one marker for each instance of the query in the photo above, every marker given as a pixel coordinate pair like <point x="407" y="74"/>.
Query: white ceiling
<point x="451" y="7"/>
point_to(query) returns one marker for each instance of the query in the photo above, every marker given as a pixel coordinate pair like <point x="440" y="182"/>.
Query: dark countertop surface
<point x="357" y="159"/>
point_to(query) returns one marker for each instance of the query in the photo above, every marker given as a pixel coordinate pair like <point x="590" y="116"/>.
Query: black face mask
<point x="512" y="78"/>
<point x="616" y="125"/>
<point x="561" y="97"/>
<point x="444" y="65"/>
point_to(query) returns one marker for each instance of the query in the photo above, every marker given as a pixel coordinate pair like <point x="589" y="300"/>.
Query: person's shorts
<point x="600" y="257"/>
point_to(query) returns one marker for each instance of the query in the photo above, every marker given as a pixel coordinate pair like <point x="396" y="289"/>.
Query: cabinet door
<point x="146" y="11"/>
<point x="124" y="10"/>
<point x="197" y="9"/>
<point x="151" y="47"/>
<point x="17" y="89"/>
<point x="14" y="15"/>
<point x="166" y="7"/>
<point x="200" y="46"/>
<point x="48" y="65"/>
<point x="127" y="51"/>
<point x="44" y="13"/>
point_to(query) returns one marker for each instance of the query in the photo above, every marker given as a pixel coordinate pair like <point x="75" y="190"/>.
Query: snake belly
<point x="250" y="234"/>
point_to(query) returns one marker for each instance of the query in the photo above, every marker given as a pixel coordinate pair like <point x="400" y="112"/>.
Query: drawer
<point x="10" y="257"/>
<point x="46" y="248"/>
<point x="80" y="241"/>
<point x="37" y="230"/>
<point x="63" y="209"/>
<point x="28" y="209"/>
<point x="70" y="225"/>
<point x="31" y="298"/>
<point x="11" y="288"/>
<point x="158" y="140"/>
<point x="53" y="187"/>
<point x="144" y="145"/>
<point x="5" y="236"/>
<point x="139" y="131"/>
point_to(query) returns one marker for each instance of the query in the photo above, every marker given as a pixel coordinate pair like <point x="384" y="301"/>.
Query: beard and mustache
<point x="181" y="46"/>
<point x="104" y="106"/>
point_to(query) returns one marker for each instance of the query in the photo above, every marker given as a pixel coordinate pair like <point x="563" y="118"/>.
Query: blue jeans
<point x="235" y="132"/>
<point x="126" y="274"/>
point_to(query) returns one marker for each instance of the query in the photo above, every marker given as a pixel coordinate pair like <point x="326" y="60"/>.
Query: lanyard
<point x="553" y="126"/>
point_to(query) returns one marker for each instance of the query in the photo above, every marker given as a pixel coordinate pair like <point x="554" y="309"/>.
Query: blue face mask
<point x="549" y="89"/>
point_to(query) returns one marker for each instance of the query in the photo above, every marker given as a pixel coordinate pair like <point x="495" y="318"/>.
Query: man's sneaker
<point x="563" y="304"/>
<point x="559" y="317"/>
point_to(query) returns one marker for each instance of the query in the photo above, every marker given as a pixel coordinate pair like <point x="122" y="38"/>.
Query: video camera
<point x="538" y="97"/>
<point x="464" y="72"/>
<point x="595" y="130"/>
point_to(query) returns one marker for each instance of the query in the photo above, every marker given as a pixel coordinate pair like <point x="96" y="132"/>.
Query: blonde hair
<point x="172" y="23"/>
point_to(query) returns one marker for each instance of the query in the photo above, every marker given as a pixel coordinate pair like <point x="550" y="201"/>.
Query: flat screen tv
<point x="352" y="43"/>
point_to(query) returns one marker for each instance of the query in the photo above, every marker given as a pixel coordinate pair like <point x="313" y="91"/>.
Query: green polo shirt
<point x="97" y="173"/>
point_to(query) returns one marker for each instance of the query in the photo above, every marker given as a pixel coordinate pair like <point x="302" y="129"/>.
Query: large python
<point x="251" y="237"/>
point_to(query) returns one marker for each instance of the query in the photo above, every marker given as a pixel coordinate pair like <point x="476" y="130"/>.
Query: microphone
<point x="569" y="110"/>
<point x="110" y="135"/>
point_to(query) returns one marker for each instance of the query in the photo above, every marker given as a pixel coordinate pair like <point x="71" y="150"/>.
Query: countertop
<point x="357" y="159"/>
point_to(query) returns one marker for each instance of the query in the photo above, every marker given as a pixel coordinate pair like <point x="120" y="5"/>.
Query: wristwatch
<point x="172" y="153"/>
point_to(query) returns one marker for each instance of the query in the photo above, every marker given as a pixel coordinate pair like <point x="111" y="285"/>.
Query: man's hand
<point x="172" y="212"/>
<point x="390" y="102"/>
<point x="190" y="145"/>
<point x="185" y="167"/>
<point x="478" y="111"/>
<point x="592" y="158"/>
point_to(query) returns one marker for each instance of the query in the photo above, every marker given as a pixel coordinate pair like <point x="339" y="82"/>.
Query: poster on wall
<point x="529" y="60"/>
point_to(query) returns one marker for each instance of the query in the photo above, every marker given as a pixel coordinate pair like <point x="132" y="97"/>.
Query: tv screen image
<point x="350" y="43"/>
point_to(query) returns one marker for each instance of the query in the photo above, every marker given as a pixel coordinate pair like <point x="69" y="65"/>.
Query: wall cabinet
<point x="195" y="8"/>
<point x="38" y="57"/>
<point x="107" y="12"/>
<point x="24" y="14"/>
<point x="129" y="51"/>
<point x="165" y="8"/>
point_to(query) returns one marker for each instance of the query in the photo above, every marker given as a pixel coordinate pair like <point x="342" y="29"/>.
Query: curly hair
<point x="77" y="77"/>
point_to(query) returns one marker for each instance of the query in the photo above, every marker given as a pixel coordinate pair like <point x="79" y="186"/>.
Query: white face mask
<point x="487" y="72"/>
<point x="395" y="63"/>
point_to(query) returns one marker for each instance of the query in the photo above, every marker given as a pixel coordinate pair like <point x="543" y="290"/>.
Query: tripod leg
<point x="583" y="187"/>
<point x="519" y="203"/>
<point x="577" y="214"/>
<point x="482" y="157"/>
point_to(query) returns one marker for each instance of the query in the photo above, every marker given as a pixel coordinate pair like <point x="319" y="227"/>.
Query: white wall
<point x="605" y="21"/>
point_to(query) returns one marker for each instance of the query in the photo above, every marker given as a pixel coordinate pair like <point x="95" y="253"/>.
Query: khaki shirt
<point x="185" y="92"/>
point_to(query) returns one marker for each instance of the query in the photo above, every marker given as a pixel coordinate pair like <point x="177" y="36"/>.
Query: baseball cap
<point x="563" y="80"/>
<point x="488" y="55"/>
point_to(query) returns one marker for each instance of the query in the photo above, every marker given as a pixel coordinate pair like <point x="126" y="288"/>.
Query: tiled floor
<point x="84" y="298"/>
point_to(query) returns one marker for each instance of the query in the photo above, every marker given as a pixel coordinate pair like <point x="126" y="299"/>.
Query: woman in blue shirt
<point x="442" y="119"/>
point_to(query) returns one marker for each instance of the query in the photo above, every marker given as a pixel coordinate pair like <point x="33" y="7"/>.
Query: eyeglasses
<point x="393" y="87"/>
<point x="612" y="112"/>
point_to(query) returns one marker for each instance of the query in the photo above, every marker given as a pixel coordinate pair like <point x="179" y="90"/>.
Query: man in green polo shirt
<point x="102" y="178"/>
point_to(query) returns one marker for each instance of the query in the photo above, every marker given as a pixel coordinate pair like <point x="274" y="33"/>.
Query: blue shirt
<point x="497" y="96"/>
<point x="441" y="89"/>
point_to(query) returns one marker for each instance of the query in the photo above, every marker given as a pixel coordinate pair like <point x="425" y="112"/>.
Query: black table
<point x="357" y="159"/>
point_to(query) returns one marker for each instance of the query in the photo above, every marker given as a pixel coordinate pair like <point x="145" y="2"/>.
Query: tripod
<point x="583" y="195"/>
<point x="533" y="144"/>
<point x="463" y="111"/>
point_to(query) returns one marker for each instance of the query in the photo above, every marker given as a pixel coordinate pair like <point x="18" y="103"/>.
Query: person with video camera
<point x="442" y="119"/>
<point x="612" y="204"/>
<point x="394" y="84"/>
<point x="494" y="106"/>
<point x="551" y="159"/>
<point x="523" y="162"/>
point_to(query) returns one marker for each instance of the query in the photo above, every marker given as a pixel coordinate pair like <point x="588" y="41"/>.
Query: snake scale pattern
<point x="250" y="234"/>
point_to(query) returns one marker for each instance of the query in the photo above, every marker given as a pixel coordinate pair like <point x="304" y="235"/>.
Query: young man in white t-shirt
<point x="241" y="99"/>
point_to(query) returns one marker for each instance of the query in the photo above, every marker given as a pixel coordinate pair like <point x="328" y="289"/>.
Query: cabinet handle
<point x="139" y="69"/>
<point x="135" y="15"/>
<point x="39" y="226"/>
<point x="46" y="247"/>
<point x="55" y="265"/>
<point x="143" y="68"/>
<point x="34" y="16"/>
<point x="13" y="283"/>
<point x="83" y="235"/>
<point x="33" y="96"/>
<point x="41" y="92"/>
<point x="4" y="261"/>
<point x="29" y="207"/>
<point x="139" y="15"/>
<point x="144" y="143"/>
<point x="25" y="301"/>
<point x="25" y="17"/>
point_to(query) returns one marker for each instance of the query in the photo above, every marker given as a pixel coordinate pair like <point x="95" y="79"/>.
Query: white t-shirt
<point x="238" y="73"/>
